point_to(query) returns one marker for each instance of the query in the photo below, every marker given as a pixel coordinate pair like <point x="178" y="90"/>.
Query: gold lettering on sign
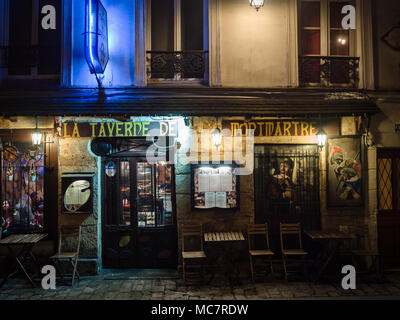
<point x="313" y="130"/>
<point x="286" y="128"/>
<point x="118" y="129"/>
<point x="304" y="129"/>
<point x="295" y="128"/>
<point x="128" y="129"/>
<point x="93" y="124"/>
<point x="75" y="132"/>
<point x="234" y="127"/>
<point x="110" y="129"/>
<point x="145" y="129"/>
<point x="102" y="132"/>
<point x="134" y="128"/>
<point x="65" y="131"/>
<point x="278" y="131"/>
<point x="261" y="124"/>
<point x="269" y="128"/>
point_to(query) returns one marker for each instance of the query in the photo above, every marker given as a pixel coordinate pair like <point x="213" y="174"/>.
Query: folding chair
<point x="193" y="256"/>
<point x="66" y="232"/>
<point x="292" y="229"/>
<point x="364" y="250"/>
<point x="254" y="230"/>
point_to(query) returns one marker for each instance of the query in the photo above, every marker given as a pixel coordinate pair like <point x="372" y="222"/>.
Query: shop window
<point x="22" y="187"/>
<point x="326" y="49"/>
<point x="177" y="49"/>
<point x="31" y="51"/>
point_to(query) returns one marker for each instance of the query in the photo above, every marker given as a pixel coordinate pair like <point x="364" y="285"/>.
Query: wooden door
<point x="139" y="225"/>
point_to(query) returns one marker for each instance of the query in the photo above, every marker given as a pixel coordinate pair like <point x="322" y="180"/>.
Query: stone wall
<point x="74" y="157"/>
<point x="331" y="218"/>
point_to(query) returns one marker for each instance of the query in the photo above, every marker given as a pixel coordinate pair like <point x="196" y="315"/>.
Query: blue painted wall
<point x="120" y="71"/>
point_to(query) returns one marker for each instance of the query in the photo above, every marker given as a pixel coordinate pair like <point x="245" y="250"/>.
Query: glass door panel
<point x="145" y="195"/>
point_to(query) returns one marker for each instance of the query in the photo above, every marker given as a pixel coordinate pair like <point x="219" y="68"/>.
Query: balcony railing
<point x="177" y="65"/>
<point x="329" y="71"/>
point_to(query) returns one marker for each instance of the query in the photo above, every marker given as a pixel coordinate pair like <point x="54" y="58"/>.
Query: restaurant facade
<point x="164" y="122"/>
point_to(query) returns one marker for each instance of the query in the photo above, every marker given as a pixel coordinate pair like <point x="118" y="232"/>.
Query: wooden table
<point x="224" y="238"/>
<point x="20" y="248"/>
<point x="331" y="242"/>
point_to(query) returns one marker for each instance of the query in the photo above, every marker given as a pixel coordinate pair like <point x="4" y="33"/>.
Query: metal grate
<point x="329" y="71"/>
<point x="292" y="196"/>
<point x="177" y="65"/>
<point x="22" y="188"/>
<point x="385" y="189"/>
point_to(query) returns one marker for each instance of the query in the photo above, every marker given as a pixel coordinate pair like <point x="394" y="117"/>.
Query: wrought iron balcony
<point x="329" y="71"/>
<point x="177" y="65"/>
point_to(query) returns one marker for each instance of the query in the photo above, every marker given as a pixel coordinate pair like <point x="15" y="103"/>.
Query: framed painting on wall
<point x="77" y="193"/>
<point x="344" y="172"/>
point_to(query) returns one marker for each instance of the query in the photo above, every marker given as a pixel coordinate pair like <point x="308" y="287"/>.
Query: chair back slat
<point x="290" y="229"/>
<point x="192" y="230"/>
<point x="257" y="229"/>
<point x="68" y="231"/>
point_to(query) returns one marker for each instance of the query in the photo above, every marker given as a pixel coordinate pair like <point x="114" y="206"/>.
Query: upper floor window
<point x="177" y="45"/>
<point x="29" y="49"/>
<point x="326" y="49"/>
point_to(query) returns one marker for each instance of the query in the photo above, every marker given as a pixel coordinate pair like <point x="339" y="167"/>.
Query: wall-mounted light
<point x="256" y="4"/>
<point x="216" y="137"/>
<point x="36" y="135"/>
<point x="321" y="135"/>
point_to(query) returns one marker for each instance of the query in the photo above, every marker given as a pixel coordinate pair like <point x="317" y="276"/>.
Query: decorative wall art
<point x="77" y="193"/>
<point x="344" y="172"/>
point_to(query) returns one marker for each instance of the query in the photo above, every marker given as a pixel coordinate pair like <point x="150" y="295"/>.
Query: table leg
<point x="24" y="252"/>
<point x="330" y="253"/>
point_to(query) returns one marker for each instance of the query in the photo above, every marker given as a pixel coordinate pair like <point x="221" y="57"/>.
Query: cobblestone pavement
<point x="97" y="288"/>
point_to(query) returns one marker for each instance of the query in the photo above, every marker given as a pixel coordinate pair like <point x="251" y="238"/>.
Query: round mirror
<point x="76" y="195"/>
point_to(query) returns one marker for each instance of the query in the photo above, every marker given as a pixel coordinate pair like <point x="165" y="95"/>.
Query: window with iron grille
<point x="389" y="180"/>
<point x="286" y="182"/>
<point x="22" y="187"/>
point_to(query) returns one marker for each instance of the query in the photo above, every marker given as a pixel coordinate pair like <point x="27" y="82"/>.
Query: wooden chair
<point x="292" y="229"/>
<point x="73" y="232"/>
<point x="364" y="251"/>
<point x="191" y="257"/>
<point x="254" y="230"/>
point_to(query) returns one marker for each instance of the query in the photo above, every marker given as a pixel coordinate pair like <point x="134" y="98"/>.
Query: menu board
<point x="215" y="186"/>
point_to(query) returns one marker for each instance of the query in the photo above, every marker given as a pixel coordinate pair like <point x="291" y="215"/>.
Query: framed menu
<point x="215" y="186"/>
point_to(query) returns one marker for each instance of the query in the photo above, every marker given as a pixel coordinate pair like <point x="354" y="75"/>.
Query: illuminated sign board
<point x="96" y="36"/>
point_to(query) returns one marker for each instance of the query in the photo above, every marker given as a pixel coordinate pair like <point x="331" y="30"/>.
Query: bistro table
<point x="331" y="242"/>
<point x="229" y="237"/>
<point x="20" y="249"/>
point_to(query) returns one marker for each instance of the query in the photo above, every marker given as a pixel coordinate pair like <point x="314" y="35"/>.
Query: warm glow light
<point x="342" y="41"/>
<point x="36" y="137"/>
<point x="321" y="138"/>
<point x="216" y="137"/>
<point x="257" y="4"/>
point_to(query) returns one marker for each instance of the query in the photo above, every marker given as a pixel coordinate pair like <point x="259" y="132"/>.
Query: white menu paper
<point x="215" y="182"/>
<point x="204" y="182"/>
<point x="226" y="182"/>
<point x="220" y="199"/>
<point x="209" y="199"/>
